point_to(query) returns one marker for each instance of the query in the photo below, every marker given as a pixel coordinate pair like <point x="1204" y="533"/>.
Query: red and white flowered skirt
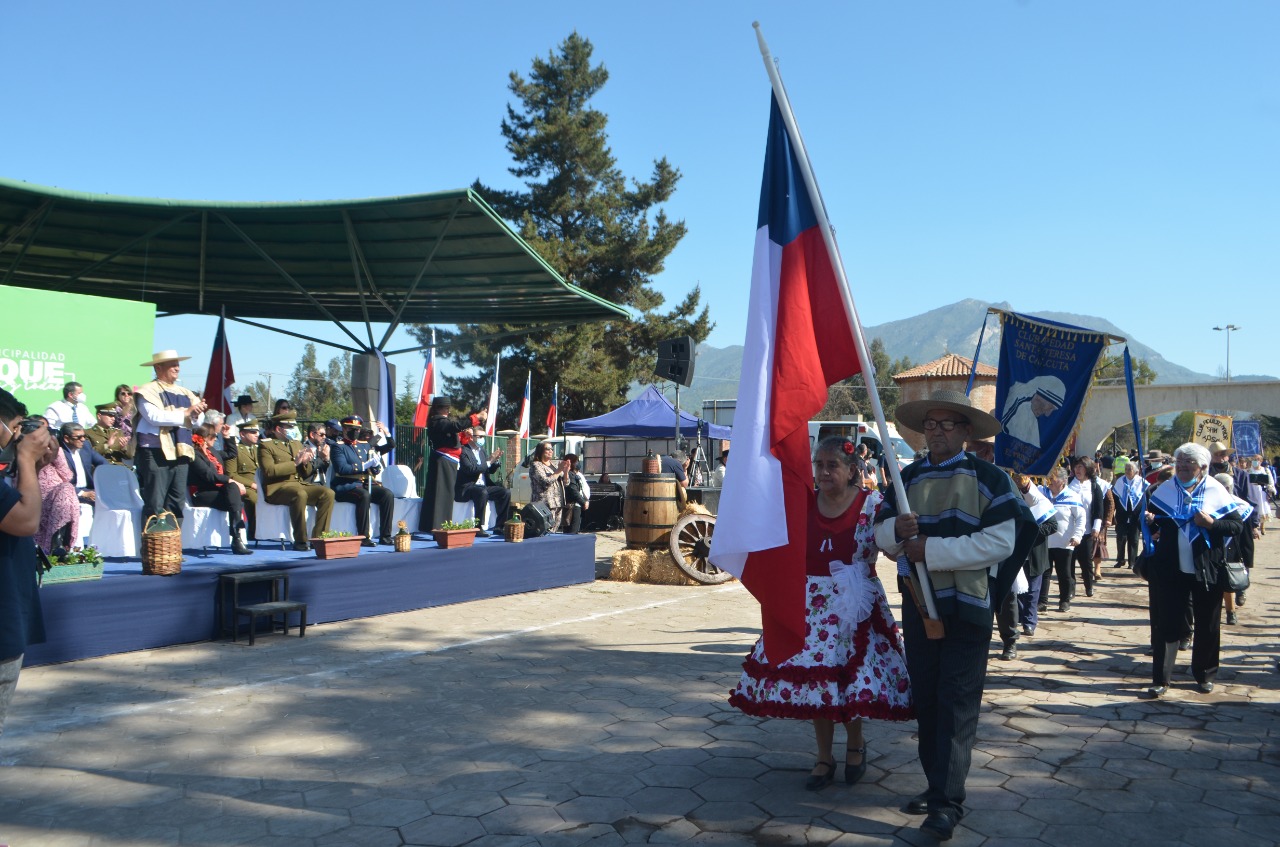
<point x="837" y="676"/>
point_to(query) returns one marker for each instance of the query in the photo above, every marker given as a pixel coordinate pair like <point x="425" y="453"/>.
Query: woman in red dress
<point x="852" y="665"/>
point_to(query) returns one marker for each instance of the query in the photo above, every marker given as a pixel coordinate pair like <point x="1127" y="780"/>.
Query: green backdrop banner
<point x="50" y="339"/>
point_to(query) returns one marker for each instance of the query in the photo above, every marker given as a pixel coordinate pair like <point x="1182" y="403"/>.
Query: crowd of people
<point x="183" y="452"/>
<point x="981" y="549"/>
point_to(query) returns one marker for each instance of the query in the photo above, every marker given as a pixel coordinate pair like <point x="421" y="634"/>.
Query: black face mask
<point x="351" y="434"/>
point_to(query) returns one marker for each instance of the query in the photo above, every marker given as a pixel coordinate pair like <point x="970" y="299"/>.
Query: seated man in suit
<point x="81" y="458"/>
<point x="354" y="468"/>
<point x="474" y="482"/>
<point x="324" y="454"/>
<point x="242" y="466"/>
<point x="106" y="436"/>
<point x="287" y="465"/>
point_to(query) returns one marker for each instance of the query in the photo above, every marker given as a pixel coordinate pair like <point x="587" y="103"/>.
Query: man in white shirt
<point x="162" y="429"/>
<point x="70" y="409"/>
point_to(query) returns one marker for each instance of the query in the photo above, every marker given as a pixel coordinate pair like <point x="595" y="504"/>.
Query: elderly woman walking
<point x="1191" y="519"/>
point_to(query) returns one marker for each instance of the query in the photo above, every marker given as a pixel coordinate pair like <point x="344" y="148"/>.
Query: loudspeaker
<point x="675" y="360"/>
<point x="537" y="519"/>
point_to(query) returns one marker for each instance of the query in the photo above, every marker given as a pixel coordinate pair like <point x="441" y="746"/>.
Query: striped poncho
<point x="957" y="498"/>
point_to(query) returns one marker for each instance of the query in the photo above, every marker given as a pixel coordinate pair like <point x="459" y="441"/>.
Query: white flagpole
<point x="851" y="311"/>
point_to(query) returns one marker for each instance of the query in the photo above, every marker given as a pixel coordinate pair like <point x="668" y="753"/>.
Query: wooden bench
<point x="269" y="610"/>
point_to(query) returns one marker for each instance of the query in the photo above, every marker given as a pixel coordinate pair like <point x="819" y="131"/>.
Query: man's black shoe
<point x="917" y="805"/>
<point x="1010" y="652"/>
<point x="940" y="825"/>
<point x="386" y="540"/>
<point x="480" y="533"/>
<point x="301" y="546"/>
<point x="368" y="542"/>
<point x="239" y="549"/>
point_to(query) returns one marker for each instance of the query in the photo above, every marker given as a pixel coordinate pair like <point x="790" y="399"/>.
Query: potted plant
<point x="451" y="534"/>
<point x="333" y="544"/>
<point x="513" y="529"/>
<point x="402" y="538"/>
<point x="74" y="565"/>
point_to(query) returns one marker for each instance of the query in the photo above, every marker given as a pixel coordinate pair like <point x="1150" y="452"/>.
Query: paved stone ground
<point x="596" y="714"/>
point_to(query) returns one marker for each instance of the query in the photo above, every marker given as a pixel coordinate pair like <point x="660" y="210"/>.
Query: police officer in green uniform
<point x="107" y="439"/>
<point x="243" y="468"/>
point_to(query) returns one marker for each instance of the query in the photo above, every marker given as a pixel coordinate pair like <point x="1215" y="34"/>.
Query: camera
<point x="9" y="467"/>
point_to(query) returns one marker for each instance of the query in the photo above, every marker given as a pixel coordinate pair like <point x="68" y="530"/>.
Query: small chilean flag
<point x="428" y="390"/>
<point x="217" y="386"/>
<point x="553" y="411"/>
<point x="799" y="341"/>
<point x="522" y="431"/>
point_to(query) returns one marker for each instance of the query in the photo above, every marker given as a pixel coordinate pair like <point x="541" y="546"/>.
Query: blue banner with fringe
<point x="1044" y="375"/>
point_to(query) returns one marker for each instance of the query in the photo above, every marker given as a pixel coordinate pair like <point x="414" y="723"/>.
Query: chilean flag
<point x="799" y="341"/>
<point x="522" y="431"/>
<point x="428" y="390"/>
<point x="217" y="386"/>
<point x="553" y="411"/>
<point x="491" y="424"/>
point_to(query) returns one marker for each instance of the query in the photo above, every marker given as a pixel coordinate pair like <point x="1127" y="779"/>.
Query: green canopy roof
<point x="436" y="258"/>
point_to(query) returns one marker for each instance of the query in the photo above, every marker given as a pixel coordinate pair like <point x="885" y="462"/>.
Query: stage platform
<point x="127" y="610"/>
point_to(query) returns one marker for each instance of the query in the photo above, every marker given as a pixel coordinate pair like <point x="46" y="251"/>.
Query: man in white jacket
<point x="1071" y="528"/>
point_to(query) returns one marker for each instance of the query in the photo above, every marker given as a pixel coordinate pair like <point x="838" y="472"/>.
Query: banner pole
<point x="851" y="311"/>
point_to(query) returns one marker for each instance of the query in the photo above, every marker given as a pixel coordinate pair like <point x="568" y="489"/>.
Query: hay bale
<point x="692" y="508"/>
<point x="653" y="567"/>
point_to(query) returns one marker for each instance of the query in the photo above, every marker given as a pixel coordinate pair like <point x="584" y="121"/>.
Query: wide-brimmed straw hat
<point x="164" y="356"/>
<point x="911" y="415"/>
<point x="1219" y="447"/>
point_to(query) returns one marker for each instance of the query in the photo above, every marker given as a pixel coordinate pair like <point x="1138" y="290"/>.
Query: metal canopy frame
<point x="441" y="258"/>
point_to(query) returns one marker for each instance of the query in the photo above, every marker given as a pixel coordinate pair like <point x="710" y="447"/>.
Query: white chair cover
<point x="86" y="525"/>
<point x="467" y="510"/>
<point x="273" y="521"/>
<point x="398" y="479"/>
<point x="117" y="514"/>
<point x="204" y="526"/>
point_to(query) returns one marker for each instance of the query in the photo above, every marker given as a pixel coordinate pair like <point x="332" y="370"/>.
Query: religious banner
<point x="1210" y="428"/>
<point x="1043" y="380"/>
<point x="1246" y="437"/>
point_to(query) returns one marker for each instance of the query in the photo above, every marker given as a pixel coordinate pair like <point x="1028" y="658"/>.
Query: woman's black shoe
<point x="853" y="773"/>
<point x="819" y="781"/>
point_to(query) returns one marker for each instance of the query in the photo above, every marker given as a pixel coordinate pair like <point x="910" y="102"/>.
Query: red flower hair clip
<point x="847" y="447"/>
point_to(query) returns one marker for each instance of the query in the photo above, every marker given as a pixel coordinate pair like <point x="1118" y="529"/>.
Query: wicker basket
<point x="402" y="542"/>
<point x="161" y="551"/>
<point x="513" y="530"/>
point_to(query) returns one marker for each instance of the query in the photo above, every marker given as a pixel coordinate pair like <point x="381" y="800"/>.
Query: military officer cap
<point x="248" y="425"/>
<point x="111" y="408"/>
<point x="353" y="421"/>
<point x="282" y="419"/>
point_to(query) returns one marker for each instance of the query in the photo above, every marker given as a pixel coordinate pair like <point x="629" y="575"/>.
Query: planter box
<point x="450" y="538"/>
<point x="345" y="547"/>
<point x="72" y="573"/>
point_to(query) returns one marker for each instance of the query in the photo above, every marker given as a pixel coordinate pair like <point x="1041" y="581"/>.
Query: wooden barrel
<point x="650" y="510"/>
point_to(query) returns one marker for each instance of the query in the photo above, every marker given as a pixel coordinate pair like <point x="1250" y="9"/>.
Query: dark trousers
<point x="161" y="482"/>
<point x="1246" y="546"/>
<point x="1127" y="541"/>
<point x="574" y="511"/>
<point x="481" y="495"/>
<point x="1083" y="556"/>
<point x="1060" y="557"/>
<point x="1007" y="619"/>
<point x="225" y="499"/>
<point x="1028" y="614"/>
<point x="1168" y="594"/>
<point x="947" y="676"/>
<point x="362" y="497"/>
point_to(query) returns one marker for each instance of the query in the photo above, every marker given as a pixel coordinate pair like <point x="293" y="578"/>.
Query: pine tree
<point x="610" y="238"/>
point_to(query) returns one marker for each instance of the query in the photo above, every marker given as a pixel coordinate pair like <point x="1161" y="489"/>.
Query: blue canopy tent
<point x="648" y="416"/>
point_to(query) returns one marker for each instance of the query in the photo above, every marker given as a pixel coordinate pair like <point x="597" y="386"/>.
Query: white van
<point x="863" y="432"/>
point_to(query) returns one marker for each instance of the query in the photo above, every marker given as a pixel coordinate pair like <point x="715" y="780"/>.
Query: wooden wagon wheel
<point x="691" y="547"/>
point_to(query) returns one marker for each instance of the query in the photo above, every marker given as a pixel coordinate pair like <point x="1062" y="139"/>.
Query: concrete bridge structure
<point x="1108" y="406"/>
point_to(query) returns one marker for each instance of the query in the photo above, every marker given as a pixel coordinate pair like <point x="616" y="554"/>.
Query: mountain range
<point x="925" y="337"/>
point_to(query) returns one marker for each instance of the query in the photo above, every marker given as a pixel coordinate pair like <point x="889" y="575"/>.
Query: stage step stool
<point x="270" y="610"/>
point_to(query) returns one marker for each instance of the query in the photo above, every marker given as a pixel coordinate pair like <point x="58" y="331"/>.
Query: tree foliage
<point x="603" y="233"/>
<point x="1110" y="371"/>
<point x="849" y="397"/>
<point x="318" y="395"/>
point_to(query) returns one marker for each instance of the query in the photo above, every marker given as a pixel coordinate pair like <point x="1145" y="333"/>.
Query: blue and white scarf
<point x="1129" y="491"/>
<point x="1208" y="496"/>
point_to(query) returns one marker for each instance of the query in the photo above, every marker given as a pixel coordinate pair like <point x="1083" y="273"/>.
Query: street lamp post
<point x="1228" y="329"/>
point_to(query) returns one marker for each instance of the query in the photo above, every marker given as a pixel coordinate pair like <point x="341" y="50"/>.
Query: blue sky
<point x="1098" y="157"/>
